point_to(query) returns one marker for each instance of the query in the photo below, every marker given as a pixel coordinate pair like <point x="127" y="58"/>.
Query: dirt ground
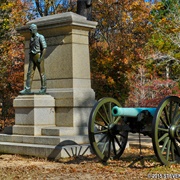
<point x="16" y="167"/>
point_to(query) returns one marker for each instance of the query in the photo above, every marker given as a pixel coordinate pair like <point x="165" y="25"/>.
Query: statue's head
<point x="33" y="28"/>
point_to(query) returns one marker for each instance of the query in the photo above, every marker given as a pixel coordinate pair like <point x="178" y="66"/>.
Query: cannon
<point x="109" y="125"/>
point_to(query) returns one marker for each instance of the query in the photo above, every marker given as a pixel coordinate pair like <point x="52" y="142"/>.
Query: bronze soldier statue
<point x="37" y="52"/>
<point x="84" y="8"/>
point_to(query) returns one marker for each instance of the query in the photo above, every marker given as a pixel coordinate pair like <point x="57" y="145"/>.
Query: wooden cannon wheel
<point x="166" y="131"/>
<point x="106" y="141"/>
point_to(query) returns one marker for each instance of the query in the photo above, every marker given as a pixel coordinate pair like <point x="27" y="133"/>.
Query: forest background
<point x="134" y="51"/>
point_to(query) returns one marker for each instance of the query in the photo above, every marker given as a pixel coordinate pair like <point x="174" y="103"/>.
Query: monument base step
<point x="45" y="151"/>
<point x="45" y="140"/>
<point x="53" y="143"/>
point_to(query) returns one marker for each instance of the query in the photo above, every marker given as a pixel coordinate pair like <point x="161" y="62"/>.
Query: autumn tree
<point x="11" y="53"/>
<point x="120" y="37"/>
<point x="158" y="76"/>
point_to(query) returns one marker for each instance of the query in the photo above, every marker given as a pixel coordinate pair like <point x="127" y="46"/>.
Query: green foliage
<point x="165" y="42"/>
<point x="164" y="8"/>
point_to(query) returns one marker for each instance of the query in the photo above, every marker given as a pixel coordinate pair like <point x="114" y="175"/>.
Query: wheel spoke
<point x="109" y="148"/>
<point x="124" y="136"/>
<point x="100" y="141"/>
<point x="162" y="129"/>
<point x="177" y="148"/>
<point x="168" y="150"/>
<point x="114" y="118"/>
<point x="98" y="123"/>
<point x="109" y="112"/>
<point x="103" y="118"/>
<point x="105" y="110"/>
<point x="117" y="120"/>
<point x="164" y="122"/>
<point x="101" y="131"/>
<point x="105" y="145"/>
<point x="177" y="118"/>
<point x="164" y="145"/>
<point x="172" y="151"/>
<point x="163" y="137"/>
<point x="114" y="147"/>
<point x="118" y="142"/>
<point x="177" y="122"/>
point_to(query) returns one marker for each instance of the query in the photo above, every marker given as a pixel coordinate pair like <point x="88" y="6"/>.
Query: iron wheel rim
<point x="164" y="127"/>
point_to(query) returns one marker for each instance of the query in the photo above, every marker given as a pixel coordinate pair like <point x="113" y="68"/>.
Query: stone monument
<point x="45" y="123"/>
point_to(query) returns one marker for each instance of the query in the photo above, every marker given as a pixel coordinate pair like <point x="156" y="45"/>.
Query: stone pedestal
<point x="67" y="66"/>
<point x="32" y="113"/>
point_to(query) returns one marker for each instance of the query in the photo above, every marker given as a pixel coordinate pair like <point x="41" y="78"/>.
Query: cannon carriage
<point x="109" y="125"/>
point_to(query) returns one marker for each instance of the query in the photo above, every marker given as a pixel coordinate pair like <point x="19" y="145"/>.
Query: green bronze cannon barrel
<point x="130" y="112"/>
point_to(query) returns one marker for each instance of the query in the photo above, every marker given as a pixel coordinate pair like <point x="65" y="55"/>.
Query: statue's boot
<point x="42" y="91"/>
<point x="26" y="90"/>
